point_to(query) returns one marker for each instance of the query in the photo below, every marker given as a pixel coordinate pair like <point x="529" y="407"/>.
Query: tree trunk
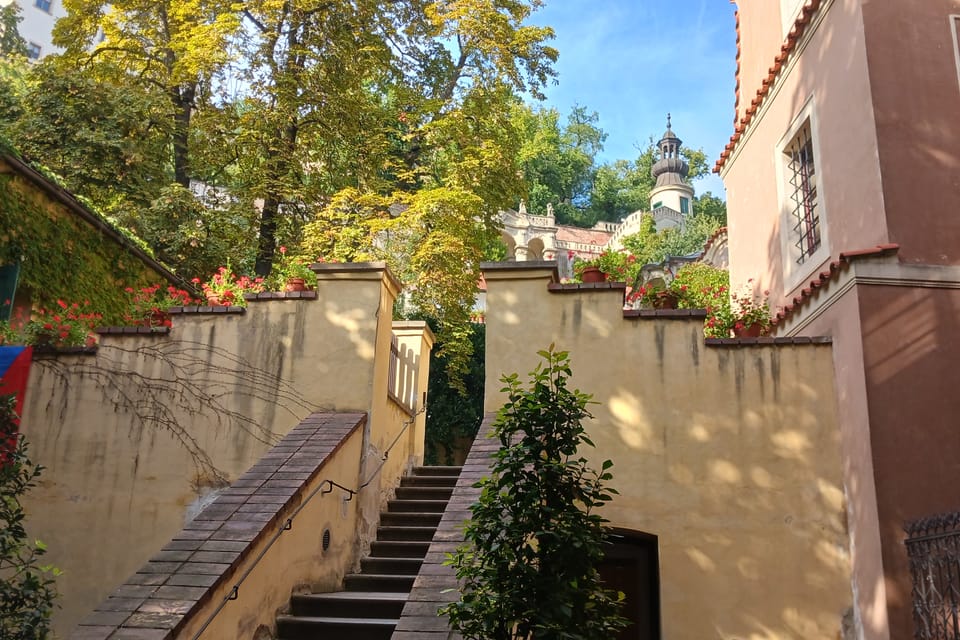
<point x="268" y="236"/>
<point x="182" y="97"/>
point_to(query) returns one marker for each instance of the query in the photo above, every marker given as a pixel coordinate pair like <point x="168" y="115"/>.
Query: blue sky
<point x="633" y="61"/>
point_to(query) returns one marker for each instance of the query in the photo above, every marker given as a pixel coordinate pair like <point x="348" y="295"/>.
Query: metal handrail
<point x="326" y="486"/>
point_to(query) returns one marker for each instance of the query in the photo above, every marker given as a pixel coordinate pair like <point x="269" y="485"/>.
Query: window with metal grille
<point x="801" y="174"/>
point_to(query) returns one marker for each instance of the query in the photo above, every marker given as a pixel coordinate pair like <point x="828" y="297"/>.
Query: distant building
<point x="539" y="237"/>
<point x="36" y="27"/>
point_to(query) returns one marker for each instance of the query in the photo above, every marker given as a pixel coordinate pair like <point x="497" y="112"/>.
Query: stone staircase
<point x="370" y="604"/>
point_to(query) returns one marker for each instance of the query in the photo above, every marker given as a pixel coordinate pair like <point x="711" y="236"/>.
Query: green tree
<point x="106" y="141"/>
<point x="711" y="206"/>
<point x="27" y="591"/>
<point x="622" y="187"/>
<point x="453" y="415"/>
<point x="652" y="247"/>
<point x="11" y="42"/>
<point x="177" y="47"/>
<point x="559" y="163"/>
<point x="534" y="541"/>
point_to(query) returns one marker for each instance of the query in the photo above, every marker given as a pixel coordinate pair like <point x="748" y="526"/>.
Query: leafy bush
<point x="529" y="568"/>
<point x="27" y="591"/>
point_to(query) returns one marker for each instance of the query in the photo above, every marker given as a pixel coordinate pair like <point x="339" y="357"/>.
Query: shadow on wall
<point x="729" y="455"/>
<point x="136" y="435"/>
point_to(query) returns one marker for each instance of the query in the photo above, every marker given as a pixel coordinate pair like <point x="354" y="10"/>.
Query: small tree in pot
<point x="534" y="542"/>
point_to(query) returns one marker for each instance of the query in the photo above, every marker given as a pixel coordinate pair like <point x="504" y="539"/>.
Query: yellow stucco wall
<point x="730" y="456"/>
<point x="211" y="397"/>
<point x="297" y="558"/>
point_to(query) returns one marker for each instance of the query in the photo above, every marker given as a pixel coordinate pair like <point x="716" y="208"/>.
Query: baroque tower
<point x="671" y="198"/>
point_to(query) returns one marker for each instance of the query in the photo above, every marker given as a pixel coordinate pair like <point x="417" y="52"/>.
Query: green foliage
<point x="617" y="265"/>
<point x="63" y="257"/>
<point x="558" y="163"/>
<point x="27" y="591"/>
<point x="652" y="247"/>
<point x="11" y="42"/>
<point x="453" y="414"/>
<point x="534" y="541"/>
<point x="622" y="187"/>
<point x="709" y="205"/>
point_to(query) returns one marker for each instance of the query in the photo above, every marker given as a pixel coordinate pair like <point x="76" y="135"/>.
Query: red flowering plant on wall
<point x="148" y="305"/>
<point x="227" y="288"/>
<point x="618" y="266"/>
<point x="750" y="310"/>
<point x="289" y="267"/>
<point x="70" y="324"/>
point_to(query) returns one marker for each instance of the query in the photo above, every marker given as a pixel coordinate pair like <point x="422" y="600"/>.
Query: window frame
<point x="34" y="48"/>
<point x="684" y="205"/>
<point x="796" y="271"/>
<point x="39" y="4"/>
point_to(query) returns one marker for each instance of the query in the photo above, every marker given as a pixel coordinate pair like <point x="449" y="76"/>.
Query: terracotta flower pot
<point x="665" y="300"/>
<point x="593" y="275"/>
<point x="213" y="300"/>
<point x="295" y="284"/>
<point x="753" y="330"/>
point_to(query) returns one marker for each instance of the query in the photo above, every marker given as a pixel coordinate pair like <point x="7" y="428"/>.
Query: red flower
<point x="63" y="305"/>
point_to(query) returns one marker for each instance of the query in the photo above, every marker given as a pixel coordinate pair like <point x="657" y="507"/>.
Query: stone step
<point x="410" y="519"/>
<point x="349" y="604"/>
<point x="314" y="627"/>
<point x="377" y="582"/>
<point x="390" y="566"/>
<point x="382" y="548"/>
<point x="429" y="481"/>
<point x="437" y="471"/>
<point x="416" y="506"/>
<point x="391" y="533"/>
<point x="424" y="493"/>
<point x="373" y="600"/>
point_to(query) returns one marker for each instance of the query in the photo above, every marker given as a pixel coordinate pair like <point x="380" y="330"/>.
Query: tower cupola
<point x="671" y="198"/>
<point x="670" y="168"/>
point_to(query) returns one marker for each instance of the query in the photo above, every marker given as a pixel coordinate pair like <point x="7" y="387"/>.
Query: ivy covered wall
<point x="65" y="251"/>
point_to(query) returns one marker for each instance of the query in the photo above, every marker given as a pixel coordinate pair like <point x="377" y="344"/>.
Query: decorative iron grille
<point x="933" y="547"/>
<point x="802" y="187"/>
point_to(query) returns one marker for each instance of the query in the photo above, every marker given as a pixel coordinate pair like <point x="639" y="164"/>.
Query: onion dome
<point x="670" y="168"/>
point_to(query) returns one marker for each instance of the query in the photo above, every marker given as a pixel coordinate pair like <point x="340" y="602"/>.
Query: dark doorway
<point x="632" y="565"/>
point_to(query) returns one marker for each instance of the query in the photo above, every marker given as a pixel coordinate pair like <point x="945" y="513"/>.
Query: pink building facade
<point x="843" y="187"/>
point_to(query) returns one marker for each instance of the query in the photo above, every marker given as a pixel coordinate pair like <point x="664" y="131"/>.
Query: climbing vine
<point x="63" y="257"/>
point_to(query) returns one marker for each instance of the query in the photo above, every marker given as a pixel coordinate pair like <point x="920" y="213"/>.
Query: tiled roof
<point x="719" y="233"/>
<point x="824" y="278"/>
<point x="796" y="32"/>
<point x="586" y="236"/>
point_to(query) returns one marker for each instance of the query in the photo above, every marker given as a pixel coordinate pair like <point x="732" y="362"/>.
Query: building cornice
<point x="808" y="19"/>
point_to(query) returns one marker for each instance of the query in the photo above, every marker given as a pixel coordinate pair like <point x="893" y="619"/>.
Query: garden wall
<point x="726" y="450"/>
<point x="139" y="434"/>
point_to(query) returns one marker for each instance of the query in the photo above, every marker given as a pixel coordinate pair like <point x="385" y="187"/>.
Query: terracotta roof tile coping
<point x="522" y="265"/>
<point x="804" y="18"/>
<point x="280" y="295"/>
<point x="205" y="310"/>
<point x="669" y="314"/>
<point x="157" y="600"/>
<point x="766" y="341"/>
<point x="832" y="272"/>
<point x="722" y="231"/>
<point x="57" y="351"/>
<point x="574" y="287"/>
<point x="130" y="331"/>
